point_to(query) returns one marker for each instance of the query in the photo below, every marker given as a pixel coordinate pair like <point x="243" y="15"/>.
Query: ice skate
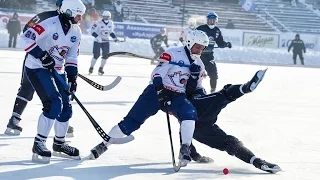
<point x="98" y="150"/>
<point x="70" y="132"/>
<point x="100" y="71"/>
<point x="62" y="149"/>
<point x="40" y="152"/>
<point x="201" y="159"/>
<point x="184" y="156"/>
<point x="90" y="70"/>
<point x="153" y="62"/>
<point x="254" y="82"/>
<point x="13" y="127"/>
<point x="266" y="166"/>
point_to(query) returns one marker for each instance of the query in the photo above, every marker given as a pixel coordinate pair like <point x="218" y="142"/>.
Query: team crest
<point x="179" y="79"/>
<point x="55" y="36"/>
<point x="73" y="39"/>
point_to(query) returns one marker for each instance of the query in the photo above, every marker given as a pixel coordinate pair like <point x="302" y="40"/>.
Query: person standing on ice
<point x="53" y="45"/>
<point x="26" y="91"/>
<point x="101" y="31"/>
<point x="169" y="78"/>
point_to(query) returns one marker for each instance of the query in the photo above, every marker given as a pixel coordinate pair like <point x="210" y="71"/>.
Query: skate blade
<point x="69" y="135"/>
<point x="273" y="170"/>
<point x="260" y="74"/>
<point x="12" y="132"/>
<point x="183" y="162"/>
<point x="62" y="155"/>
<point x="43" y="160"/>
<point x="100" y="74"/>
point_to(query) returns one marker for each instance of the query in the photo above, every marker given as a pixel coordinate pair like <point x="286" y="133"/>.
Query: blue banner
<point x="136" y="31"/>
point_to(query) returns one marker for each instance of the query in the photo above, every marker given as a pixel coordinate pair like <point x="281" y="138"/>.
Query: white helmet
<point x="196" y="37"/>
<point x="192" y="22"/>
<point x="72" y="8"/>
<point x="106" y="13"/>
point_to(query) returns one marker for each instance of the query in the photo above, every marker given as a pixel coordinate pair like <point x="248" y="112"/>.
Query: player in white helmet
<point x="53" y="45"/>
<point x="101" y="31"/>
<point x="168" y="84"/>
<point x="192" y="22"/>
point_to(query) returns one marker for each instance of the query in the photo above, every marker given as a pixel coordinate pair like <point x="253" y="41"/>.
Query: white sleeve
<point x="73" y="53"/>
<point x="94" y="28"/>
<point x="163" y="67"/>
<point x="32" y="35"/>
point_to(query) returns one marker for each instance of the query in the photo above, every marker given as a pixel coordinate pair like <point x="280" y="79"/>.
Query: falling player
<point x="51" y="45"/>
<point x="101" y="31"/>
<point x="208" y="108"/>
<point x="168" y="84"/>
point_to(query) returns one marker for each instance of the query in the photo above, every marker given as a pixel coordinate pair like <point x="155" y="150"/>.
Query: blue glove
<point x="228" y="44"/>
<point x="195" y="70"/>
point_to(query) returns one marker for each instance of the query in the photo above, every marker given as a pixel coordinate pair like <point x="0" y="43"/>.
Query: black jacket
<point x="14" y="26"/>
<point x="298" y="46"/>
<point x="215" y="37"/>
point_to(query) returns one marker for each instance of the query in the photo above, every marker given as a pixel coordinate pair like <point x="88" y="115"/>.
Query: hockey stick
<point x="101" y="87"/>
<point x="98" y="128"/>
<point x="176" y="167"/>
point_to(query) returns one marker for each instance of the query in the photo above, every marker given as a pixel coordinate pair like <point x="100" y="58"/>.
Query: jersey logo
<point x="39" y="29"/>
<point x="73" y="39"/>
<point x="55" y="36"/>
<point x="165" y="56"/>
<point x="179" y="79"/>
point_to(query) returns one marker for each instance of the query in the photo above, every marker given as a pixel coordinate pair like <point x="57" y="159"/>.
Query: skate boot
<point x="266" y="166"/>
<point x="62" y="149"/>
<point x="184" y="155"/>
<point x="153" y="62"/>
<point x="98" y="150"/>
<point x="100" y="71"/>
<point x="90" y="70"/>
<point x="13" y="127"/>
<point x="253" y="83"/>
<point x="201" y="159"/>
<point x="195" y="156"/>
<point x="70" y="132"/>
<point x="39" y="149"/>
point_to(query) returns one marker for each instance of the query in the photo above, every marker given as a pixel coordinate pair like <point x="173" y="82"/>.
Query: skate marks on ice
<point x="72" y="169"/>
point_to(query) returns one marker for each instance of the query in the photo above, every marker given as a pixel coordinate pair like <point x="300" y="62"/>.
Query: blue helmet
<point x="58" y="3"/>
<point x="212" y="15"/>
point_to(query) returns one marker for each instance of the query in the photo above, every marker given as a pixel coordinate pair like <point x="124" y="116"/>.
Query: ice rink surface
<point x="279" y="122"/>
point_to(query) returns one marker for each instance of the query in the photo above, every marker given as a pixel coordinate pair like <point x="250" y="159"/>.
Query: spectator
<point x="298" y="47"/>
<point x="230" y="24"/>
<point x="14" y="28"/>
<point x="118" y="8"/>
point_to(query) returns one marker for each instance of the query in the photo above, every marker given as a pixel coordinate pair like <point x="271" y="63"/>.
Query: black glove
<point x="229" y="45"/>
<point x="162" y="94"/>
<point x="72" y="82"/>
<point x="116" y="40"/>
<point x="195" y="70"/>
<point x="47" y="61"/>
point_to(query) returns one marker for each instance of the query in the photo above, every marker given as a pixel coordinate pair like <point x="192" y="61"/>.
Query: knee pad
<point x="26" y="93"/>
<point x="52" y="108"/>
<point x="228" y="91"/>
<point x="96" y="56"/>
<point x="232" y="145"/>
<point x="105" y="57"/>
<point x="65" y="114"/>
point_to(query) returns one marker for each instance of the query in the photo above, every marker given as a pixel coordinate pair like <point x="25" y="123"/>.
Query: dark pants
<point x="211" y="68"/>
<point x="105" y="46"/>
<point x="14" y="37"/>
<point x="25" y="94"/>
<point x="295" y="54"/>
<point x="147" y="105"/>
<point x="158" y="50"/>
<point x="207" y="132"/>
<point x="54" y="98"/>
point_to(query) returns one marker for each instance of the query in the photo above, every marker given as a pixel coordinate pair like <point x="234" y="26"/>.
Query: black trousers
<point x="295" y="54"/>
<point x="211" y="68"/>
<point x="14" y="37"/>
